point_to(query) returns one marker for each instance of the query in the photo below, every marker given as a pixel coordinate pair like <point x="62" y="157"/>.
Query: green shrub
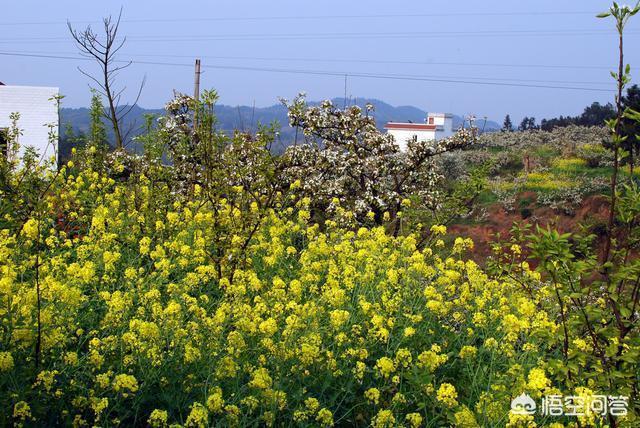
<point x="595" y="155"/>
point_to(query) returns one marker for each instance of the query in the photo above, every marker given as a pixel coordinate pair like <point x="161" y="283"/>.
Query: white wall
<point x="401" y="136"/>
<point x="448" y="128"/>
<point x="36" y="112"/>
<point x="444" y="122"/>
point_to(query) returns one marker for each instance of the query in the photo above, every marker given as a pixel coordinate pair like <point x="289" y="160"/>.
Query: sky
<point x="514" y="57"/>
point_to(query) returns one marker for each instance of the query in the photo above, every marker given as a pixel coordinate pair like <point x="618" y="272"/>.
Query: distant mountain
<point x="387" y="113"/>
<point x="247" y="118"/>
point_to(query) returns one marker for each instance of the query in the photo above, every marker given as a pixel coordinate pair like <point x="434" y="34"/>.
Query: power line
<point x="333" y="73"/>
<point x="381" y="61"/>
<point x="339" y="36"/>
<point x="316" y="17"/>
<point x="506" y="79"/>
<point x="352" y="60"/>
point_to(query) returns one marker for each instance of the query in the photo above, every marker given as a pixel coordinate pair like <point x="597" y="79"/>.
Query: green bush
<point x="595" y="155"/>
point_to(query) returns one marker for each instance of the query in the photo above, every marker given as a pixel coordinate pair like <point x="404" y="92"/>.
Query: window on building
<point x="4" y="143"/>
<point x="430" y="121"/>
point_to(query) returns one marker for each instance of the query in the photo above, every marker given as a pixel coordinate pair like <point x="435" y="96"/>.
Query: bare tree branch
<point x="103" y="50"/>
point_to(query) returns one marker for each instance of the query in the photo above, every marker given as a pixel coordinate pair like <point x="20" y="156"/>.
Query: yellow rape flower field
<point x="207" y="277"/>
<point x="312" y="325"/>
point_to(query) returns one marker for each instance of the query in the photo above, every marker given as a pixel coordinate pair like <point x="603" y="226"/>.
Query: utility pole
<point x="345" y="91"/>
<point x="196" y="94"/>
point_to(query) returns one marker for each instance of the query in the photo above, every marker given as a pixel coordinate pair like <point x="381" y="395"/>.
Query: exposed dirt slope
<point x="497" y="221"/>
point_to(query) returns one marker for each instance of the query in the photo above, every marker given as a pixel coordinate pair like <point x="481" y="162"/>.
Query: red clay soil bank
<point x="593" y="212"/>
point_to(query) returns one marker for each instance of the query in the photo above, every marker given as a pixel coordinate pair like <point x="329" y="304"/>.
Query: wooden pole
<point x="345" y="91"/>
<point x="196" y="93"/>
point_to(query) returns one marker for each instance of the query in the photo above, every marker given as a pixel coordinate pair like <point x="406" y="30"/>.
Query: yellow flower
<point x="269" y="326"/>
<point x="468" y="352"/>
<point x="261" y="379"/>
<point x="46" y="379"/>
<point x="385" y="366"/>
<point x="145" y="242"/>
<point x="414" y="419"/>
<point x="198" y="417"/>
<point x="587" y="397"/>
<point x="125" y="383"/>
<point x="537" y="379"/>
<point x="338" y="318"/>
<point x="359" y="370"/>
<point x="403" y="357"/>
<point x="491" y="343"/>
<point x="439" y="229"/>
<point x="215" y="402"/>
<point x="312" y="404"/>
<point x="158" y="418"/>
<point x="447" y="395"/>
<point x="517" y="420"/>
<point x="295" y="185"/>
<point x="384" y="419"/>
<point x="325" y="418"/>
<point x="465" y="418"/>
<point x="21" y="410"/>
<point x="373" y="395"/>
<point x="578" y="342"/>
<point x="431" y="359"/>
<point x="31" y="229"/>
<point x="6" y="361"/>
<point x="461" y="244"/>
<point x="98" y="405"/>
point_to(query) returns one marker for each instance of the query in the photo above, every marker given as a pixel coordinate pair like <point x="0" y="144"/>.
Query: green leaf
<point x="618" y="375"/>
<point x="630" y="113"/>
<point x="603" y="15"/>
<point x="629" y="358"/>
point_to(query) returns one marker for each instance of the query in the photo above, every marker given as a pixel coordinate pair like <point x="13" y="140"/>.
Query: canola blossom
<point x="315" y="325"/>
<point x="218" y="292"/>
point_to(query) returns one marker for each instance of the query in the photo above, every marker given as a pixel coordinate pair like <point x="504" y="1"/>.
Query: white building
<point x="37" y="110"/>
<point x="436" y="126"/>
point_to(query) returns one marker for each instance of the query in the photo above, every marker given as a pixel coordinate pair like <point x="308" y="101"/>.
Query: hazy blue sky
<point x="399" y="38"/>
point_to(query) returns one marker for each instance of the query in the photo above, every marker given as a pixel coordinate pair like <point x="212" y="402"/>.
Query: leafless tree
<point x="104" y="50"/>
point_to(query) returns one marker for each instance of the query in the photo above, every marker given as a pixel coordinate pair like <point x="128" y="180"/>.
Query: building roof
<point x="410" y="126"/>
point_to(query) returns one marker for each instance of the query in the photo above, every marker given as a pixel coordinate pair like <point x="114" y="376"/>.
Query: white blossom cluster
<point x="569" y="136"/>
<point x="342" y="160"/>
<point x="175" y="129"/>
<point x="345" y="156"/>
<point x="219" y="163"/>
